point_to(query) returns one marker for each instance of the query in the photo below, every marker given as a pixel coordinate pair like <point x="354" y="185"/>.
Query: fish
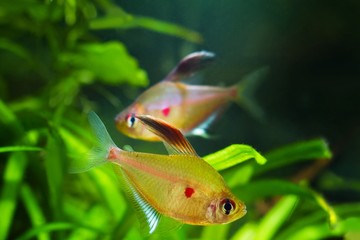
<point x="190" y="108"/>
<point x="180" y="186"/>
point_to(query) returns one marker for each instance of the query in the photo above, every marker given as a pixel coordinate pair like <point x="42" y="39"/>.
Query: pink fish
<point x="190" y="108"/>
<point x="180" y="186"/>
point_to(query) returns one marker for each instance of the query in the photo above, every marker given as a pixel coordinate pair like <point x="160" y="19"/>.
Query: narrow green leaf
<point x="167" y="28"/>
<point x="19" y="149"/>
<point x="15" y="49"/>
<point x="276" y="217"/>
<point x="348" y="208"/>
<point x="77" y="150"/>
<point x="50" y="227"/>
<point x="272" y="187"/>
<point x="215" y="232"/>
<point x="344" y="211"/>
<point x="129" y="21"/>
<point x="323" y="231"/>
<point x="302" y="151"/>
<point x="91" y="219"/>
<point x="34" y="210"/>
<point x="332" y="216"/>
<point x="70" y="12"/>
<point x="13" y="176"/>
<point x="232" y="155"/>
<point x="111" y="193"/>
<point x="119" y="20"/>
<point x="32" y="103"/>
<point x="239" y="176"/>
<point x="9" y="118"/>
<point x="248" y="231"/>
<point x="55" y="162"/>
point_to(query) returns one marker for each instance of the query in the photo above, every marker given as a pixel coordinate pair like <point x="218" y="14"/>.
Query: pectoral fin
<point x="190" y="64"/>
<point x="173" y="139"/>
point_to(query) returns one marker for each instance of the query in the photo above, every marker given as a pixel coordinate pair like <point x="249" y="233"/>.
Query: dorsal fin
<point x="171" y="136"/>
<point x="190" y="64"/>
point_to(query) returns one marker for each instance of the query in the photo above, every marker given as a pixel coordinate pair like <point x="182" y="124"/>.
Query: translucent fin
<point x="170" y="135"/>
<point x="98" y="155"/>
<point x="190" y="64"/>
<point x="148" y="217"/>
<point x="246" y="90"/>
<point x="170" y="149"/>
<point x="201" y="130"/>
<point x="167" y="226"/>
<point x="128" y="148"/>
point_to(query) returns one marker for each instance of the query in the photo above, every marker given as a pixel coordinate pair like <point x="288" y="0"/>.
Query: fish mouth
<point x="118" y="117"/>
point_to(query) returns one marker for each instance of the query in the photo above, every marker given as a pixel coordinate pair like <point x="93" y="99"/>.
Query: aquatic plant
<point x="50" y="52"/>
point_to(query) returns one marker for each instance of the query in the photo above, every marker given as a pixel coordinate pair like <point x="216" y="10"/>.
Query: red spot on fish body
<point x="166" y="111"/>
<point x="189" y="192"/>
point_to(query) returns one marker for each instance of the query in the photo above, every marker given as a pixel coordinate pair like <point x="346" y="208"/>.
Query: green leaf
<point x="54" y="226"/>
<point x="272" y="187"/>
<point x="70" y="11"/>
<point x="13" y="176"/>
<point x="91" y="219"/>
<point x="216" y="231"/>
<point x="9" y="118"/>
<point x="111" y="193"/>
<point x="233" y="155"/>
<point x="332" y="216"/>
<point x="166" y="28"/>
<point x="317" y="218"/>
<point x="15" y="49"/>
<point x="108" y="62"/>
<point x="247" y="231"/>
<point x="239" y="176"/>
<point x="118" y="18"/>
<point x="302" y="151"/>
<point x="19" y="149"/>
<point x="34" y="210"/>
<point x="323" y="231"/>
<point x="77" y="150"/>
<point x="55" y="162"/>
<point x="276" y="217"/>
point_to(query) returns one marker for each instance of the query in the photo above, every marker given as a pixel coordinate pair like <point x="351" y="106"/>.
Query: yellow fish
<point x="190" y="108"/>
<point x="181" y="185"/>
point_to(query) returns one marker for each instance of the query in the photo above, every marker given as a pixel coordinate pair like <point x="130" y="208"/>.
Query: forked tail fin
<point x="246" y="89"/>
<point x="99" y="154"/>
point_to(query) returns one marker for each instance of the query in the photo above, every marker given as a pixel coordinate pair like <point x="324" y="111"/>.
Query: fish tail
<point x="99" y="154"/>
<point x="245" y="91"/>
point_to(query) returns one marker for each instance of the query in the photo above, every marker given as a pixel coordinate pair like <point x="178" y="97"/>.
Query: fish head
<point x="224" y="209"/>
<point x="127" y="123"/>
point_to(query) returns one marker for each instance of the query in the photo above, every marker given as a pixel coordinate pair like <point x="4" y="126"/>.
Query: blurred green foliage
<point x="49" y="53"/>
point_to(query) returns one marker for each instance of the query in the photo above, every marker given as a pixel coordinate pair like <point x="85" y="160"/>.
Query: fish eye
<point x="130" y="120"/>
<point x="227" y="206"/>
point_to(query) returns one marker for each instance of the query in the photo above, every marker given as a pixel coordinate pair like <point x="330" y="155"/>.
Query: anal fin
<point x="201" y="129"/>
<point x="148" y="216"/>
